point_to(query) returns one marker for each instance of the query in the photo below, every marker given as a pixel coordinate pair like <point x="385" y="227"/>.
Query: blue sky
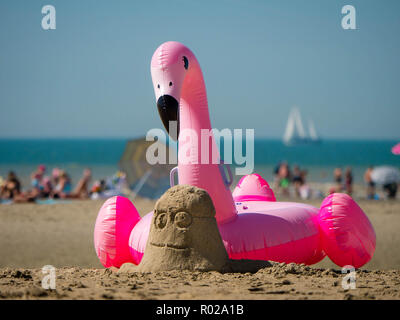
<point x="91" y="76"/>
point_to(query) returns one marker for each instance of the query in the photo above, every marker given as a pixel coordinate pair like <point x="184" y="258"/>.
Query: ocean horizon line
<point x="89" y="138"/>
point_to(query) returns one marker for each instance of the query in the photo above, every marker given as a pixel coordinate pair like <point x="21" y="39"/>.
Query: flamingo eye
<point x="185" y="62"/>
<point x="170" y="84"/>
<point x="158" y="86"/>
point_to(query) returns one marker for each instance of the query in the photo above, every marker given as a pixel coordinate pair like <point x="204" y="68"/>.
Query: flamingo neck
<point x="193" y="104"/>
<point x="194" y="121"/>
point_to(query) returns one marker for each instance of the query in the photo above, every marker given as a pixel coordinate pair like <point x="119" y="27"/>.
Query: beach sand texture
<point x="32" y="236"/>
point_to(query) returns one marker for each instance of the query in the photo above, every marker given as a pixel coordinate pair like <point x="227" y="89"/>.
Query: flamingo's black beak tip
<point x="168" y="108"/>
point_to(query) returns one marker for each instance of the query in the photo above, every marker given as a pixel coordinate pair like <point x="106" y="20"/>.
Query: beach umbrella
<point x="145" y="179"/>
<point x="396" y="149"/>
<point x="385" y="174"/>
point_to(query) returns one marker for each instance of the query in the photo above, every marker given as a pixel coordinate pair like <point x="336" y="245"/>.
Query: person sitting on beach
<point x="348" y="181"/>
<point x="46" y="188"/>
<point x="390" y="190"/>
<point x="55" y="176"/>
<point x="284" y="177"/>
<point x="37" y="176"/>
<point x="98" y="187"/>
<point x="43" y="190"/>
<point x="81" y="189"/>
<point x="276" y="181"/>
<point x="304" y="189"/>
<point x="297" y="180"/>
<point x="11" y="187"/>
<point x="337" y="175"/>
<point x="370" y="183"/>
<point x="63" y="188"/>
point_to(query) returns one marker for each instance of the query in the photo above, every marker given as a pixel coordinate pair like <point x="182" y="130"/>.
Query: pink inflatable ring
<point x="253" y="225"/>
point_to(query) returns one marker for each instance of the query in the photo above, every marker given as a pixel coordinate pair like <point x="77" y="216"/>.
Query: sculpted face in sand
<point x="177" y="225"/>
<point x="184" y="233"/>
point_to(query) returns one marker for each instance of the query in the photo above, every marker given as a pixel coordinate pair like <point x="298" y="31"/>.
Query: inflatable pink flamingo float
<point x="253" y="225"/>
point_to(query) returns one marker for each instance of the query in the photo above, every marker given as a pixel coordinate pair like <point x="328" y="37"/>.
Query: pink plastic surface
<point x="396" y="149"/>
<point x="256" y="227"/>
<point x="347" y="235"/>
<point x="138" y="237"/>
<point x="189" y="89"/>
<point x="277" y="231"/>
<point x="113" y="226"/>
<point x="253" y="188"/>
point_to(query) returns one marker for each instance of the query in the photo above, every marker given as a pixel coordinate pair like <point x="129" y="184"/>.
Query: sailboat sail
<point x="290" y="128"/>
<point x="295" y="132"/>
<point x="311" y="130"/>
<point x="299" y="124"/>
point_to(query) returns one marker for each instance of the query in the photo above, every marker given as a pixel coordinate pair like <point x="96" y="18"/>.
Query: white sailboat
<point x="312" y="132"/>
<point x="295" y="133"/>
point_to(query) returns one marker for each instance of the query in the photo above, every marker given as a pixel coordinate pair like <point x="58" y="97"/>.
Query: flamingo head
<point x="169" y="66"/>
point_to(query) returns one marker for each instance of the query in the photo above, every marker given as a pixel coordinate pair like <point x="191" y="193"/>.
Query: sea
<point x="102" y="157"/>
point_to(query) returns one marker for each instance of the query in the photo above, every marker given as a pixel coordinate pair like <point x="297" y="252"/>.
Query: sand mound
<point x="184" y="233"/>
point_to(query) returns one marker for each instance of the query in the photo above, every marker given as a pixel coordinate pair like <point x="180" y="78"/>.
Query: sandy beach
<point x="61" y="235"/>
<point x="133" y="98"/>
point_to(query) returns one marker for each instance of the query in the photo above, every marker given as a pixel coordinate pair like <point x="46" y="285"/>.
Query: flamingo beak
<point x="168" y="108"/>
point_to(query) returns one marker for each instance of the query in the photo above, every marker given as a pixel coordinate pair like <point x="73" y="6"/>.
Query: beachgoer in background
<point x="391" y="190"/>
<point x="11" y="187"/>
<point x="46" y="188"/>
<point x="2" y="182"/>
<point x="303" y="175"/>
<point x="98" y="186"/>
<point x="370" y="183"/>
<point x="297" y="180"/>
<point x="37" y="176"/>
<point x="348" y="181"/>
<point x="305" y="191"/>
<point x="55" y="176"/>
<point x="42" y="185"/>
<point x="337" y="175"/>
<point x="276" y="177"/>
<point x="284" y="178"/>
<point x="81" y="189"/>
<point x="63" y="188"/>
